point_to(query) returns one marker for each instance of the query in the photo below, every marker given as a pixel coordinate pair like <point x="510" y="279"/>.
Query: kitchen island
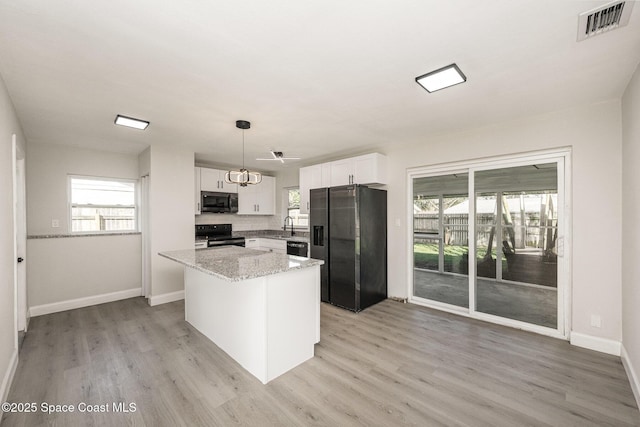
<point x="261" y="308"/>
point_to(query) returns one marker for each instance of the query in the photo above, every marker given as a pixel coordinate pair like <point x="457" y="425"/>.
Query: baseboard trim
<point x="634" y="380"/>
<point x="8" y="378"/>
<point x="39" y="310"/>
<point x="602" y="345"/>
<point x="165" y="298"/>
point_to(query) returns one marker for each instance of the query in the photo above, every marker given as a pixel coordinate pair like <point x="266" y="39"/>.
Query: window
<point x="102" y="205"/>
<point x="293" y="208"/>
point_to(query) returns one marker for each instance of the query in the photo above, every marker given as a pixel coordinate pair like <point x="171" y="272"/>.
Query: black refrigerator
<point x="348" y="226"/>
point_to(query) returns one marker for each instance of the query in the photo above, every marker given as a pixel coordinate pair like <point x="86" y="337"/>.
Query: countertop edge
<point x="316" y="262"/>
<point x="64" y="236"/>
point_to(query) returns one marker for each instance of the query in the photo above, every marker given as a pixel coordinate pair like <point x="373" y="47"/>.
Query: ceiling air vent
<point x="604" y="18"/>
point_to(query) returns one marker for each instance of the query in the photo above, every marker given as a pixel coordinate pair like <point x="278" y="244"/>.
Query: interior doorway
<point x="487" y="240"/>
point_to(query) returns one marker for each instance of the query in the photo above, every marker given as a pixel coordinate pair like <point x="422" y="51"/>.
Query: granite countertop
<point x="66" y="235"/>
<point x="234" y="263"/>
<point x="300" y="236"/>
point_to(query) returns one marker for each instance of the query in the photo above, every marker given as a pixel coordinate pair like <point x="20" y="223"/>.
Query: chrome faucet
<point x="285" y="225"/>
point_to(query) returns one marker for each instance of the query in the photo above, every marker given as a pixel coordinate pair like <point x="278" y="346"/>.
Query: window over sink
<point x="293" y="208"/>
<point x="102" y="205"/>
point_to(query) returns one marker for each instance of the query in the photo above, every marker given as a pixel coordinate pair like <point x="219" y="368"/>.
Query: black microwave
<point x="214" y="202"/>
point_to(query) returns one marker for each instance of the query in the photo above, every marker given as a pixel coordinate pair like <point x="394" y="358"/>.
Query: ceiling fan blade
<point x="278" y="155"/>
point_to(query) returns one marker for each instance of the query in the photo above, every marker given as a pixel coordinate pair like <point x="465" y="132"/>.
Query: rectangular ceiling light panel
<point x="442" y="78"/>
<point x="131" y="122"/>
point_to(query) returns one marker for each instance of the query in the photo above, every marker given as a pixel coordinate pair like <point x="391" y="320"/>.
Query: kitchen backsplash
<point x="242" y="222"/>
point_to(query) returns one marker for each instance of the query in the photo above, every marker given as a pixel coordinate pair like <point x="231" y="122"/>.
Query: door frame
<point x="563" y="158"/>
<point x="21" y="317"/>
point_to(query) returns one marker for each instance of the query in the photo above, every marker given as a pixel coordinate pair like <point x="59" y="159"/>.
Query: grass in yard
<point x="425" y="255"/>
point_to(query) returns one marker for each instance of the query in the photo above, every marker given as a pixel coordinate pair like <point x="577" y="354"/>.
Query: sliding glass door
<point x="516" y="232"/>
<point x="493" y="255"/>
<point x="441" y="238"/>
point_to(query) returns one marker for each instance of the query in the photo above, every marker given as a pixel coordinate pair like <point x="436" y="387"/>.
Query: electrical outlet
<point x="55" y="223"/>
<point x="596" y="321"/>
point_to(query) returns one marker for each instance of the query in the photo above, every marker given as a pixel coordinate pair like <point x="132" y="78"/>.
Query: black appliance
<point x="214" y="202"/>
<point x="218" y="235"/>
<point x="348" y="227"/>
<point x="297" y="248"/>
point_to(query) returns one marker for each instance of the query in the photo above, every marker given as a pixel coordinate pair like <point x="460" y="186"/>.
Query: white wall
<point x="594" y="133"/>
<point x="64" y="269"/>
<point x="241" y="222"/>
<point x="172" y="215"/>
<point x="48" y="167"/>
<point x="9" y="125"/>
<point x="631" y="230"/>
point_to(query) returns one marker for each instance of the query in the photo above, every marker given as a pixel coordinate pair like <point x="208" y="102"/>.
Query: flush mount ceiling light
<point x="441" y="78"/>
<point x="279" y="155"/>
<point x="131" y="122"/>
<point x="243" y="177"/>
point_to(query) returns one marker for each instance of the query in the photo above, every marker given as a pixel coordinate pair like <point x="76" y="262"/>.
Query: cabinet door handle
<point x="307" y="205"/>
<point x="258" y="208"/>
<point x="198" y="206"/>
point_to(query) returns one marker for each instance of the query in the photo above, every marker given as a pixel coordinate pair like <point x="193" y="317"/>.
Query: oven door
<point x="228" y="242"/>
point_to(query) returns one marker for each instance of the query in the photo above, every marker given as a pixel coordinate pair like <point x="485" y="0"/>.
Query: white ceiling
<point x="317" y="80"/>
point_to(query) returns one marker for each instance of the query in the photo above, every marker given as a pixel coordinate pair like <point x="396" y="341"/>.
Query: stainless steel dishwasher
<point x="297" y="248"/>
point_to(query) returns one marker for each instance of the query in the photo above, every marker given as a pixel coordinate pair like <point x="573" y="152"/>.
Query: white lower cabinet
<point x="267" y="245"/>
<point x="252" y="243"/>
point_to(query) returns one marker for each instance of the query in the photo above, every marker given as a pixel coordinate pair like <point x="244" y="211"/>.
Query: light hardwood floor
<point x="392" y="364"/>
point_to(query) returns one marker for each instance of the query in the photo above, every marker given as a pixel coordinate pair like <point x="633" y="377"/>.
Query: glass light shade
<point x="243" y="177"/>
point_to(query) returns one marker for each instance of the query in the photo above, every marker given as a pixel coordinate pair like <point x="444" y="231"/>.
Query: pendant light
<point x="243" y="177"/>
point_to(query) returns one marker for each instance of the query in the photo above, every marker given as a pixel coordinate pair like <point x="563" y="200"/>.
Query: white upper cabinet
<point x="342" y="172"/>
<point x="310" y="177"/>
<point x="326" y="175"/>
<point x="213" y="180"/>
<point x="258" y="199"/>
<point x="316" y="176"/>
<point x="370" y="169"/>
<point x="367" y="169"/>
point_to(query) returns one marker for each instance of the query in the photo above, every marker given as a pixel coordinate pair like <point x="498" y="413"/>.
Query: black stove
<point x="218" y="235"/>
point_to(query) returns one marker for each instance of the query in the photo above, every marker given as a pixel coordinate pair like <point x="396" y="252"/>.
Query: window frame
<point x="135" y="206"/>
<point x="285" y="203"/>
